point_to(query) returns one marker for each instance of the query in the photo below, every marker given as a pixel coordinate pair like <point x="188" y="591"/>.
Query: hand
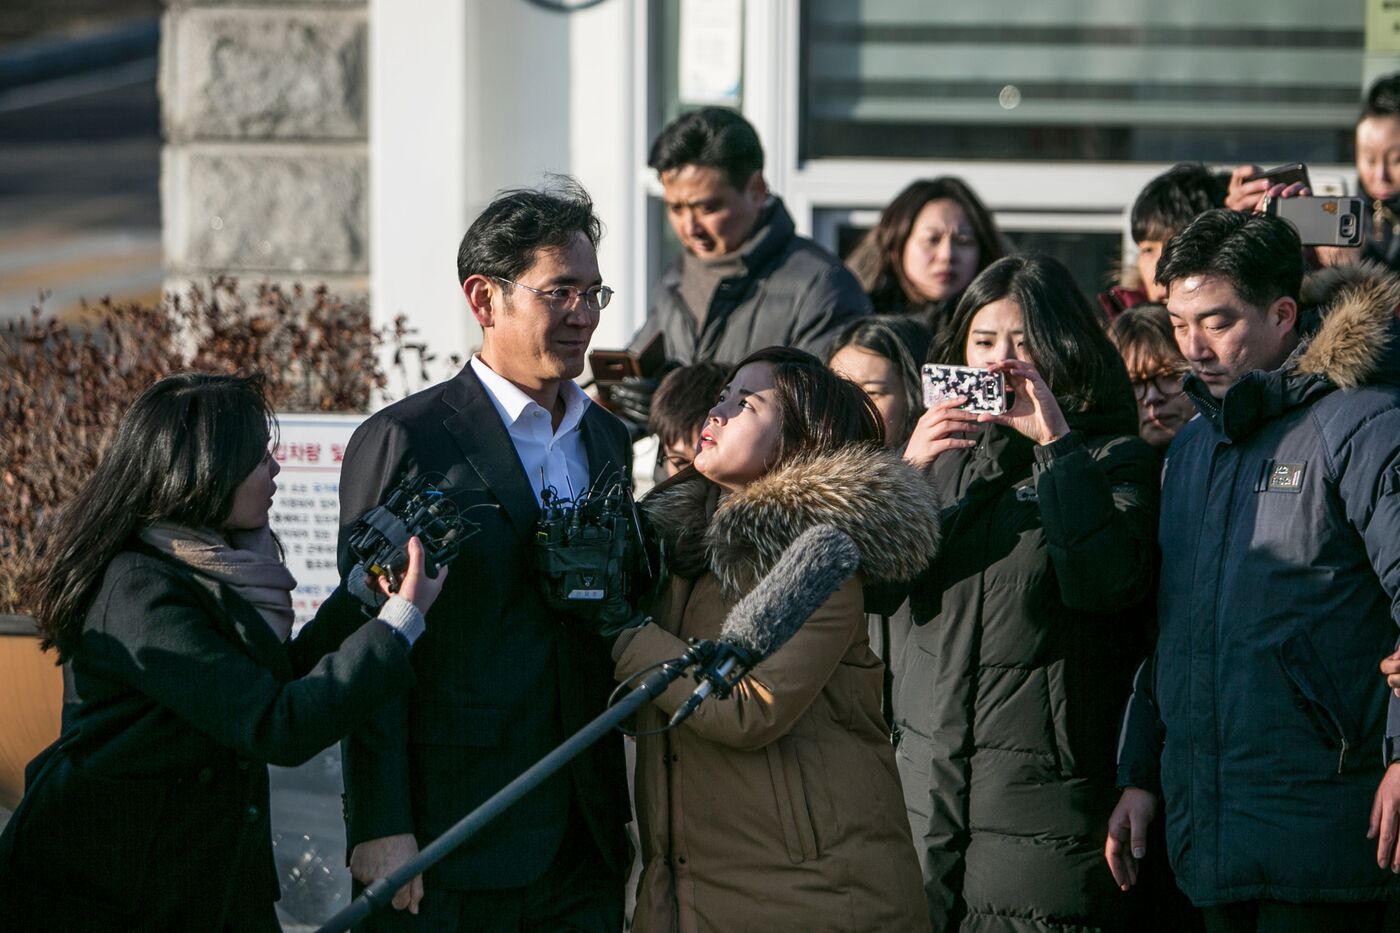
<point x="1035" y="412"/>
<point x="378" y="858"/>
<point x="364" y="586"/>
<point x="1385" y="819"/>
<point x="1390" y="667"/>
<point x="942" y="428"/>
<point x="1328" y="256"/>
<point x="1244" y="195"/>
<point x="1296" y="190"/>
<point x="417" y="587"/>
<point x="632" y="397"/>
<point x="1127" y="834"/>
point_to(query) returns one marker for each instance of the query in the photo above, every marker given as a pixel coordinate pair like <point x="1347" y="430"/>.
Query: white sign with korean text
<point x="306" y="508"/>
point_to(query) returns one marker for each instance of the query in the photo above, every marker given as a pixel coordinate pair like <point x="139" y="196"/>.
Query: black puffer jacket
<point x="1280" y="595"/>
<point x="792" y="293"/>
<point x="1008" y="695"/>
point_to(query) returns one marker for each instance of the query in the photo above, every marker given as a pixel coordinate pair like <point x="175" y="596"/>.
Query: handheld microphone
<point x="810" y="570"/>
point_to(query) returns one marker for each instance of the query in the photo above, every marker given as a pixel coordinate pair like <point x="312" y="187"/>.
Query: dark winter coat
<point x="792" y="293"/>
<point x="779" y="807"/>
<point x="1280" y="595"/>
<point x="151" y="812"/>
<point x="1008" y="697"/>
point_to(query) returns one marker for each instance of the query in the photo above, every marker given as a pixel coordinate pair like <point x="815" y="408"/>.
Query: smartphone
<point x="610" y="367"/>
<point x="1322" y="221"/>
<point x="985" y="390"/>
<point x="1284" y="175"/>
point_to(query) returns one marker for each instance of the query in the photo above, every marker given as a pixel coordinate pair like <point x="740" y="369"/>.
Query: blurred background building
<point x="351" y="141"/>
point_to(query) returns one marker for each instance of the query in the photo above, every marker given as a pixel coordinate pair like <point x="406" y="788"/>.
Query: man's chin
<point x="1217" y="384"/>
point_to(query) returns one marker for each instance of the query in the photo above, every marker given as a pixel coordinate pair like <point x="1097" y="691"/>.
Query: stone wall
<point x="264" y="171"/>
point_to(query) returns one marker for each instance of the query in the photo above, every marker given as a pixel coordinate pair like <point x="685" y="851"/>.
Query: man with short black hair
<point x="1280" y="591"/>
<point x="501" y="679"/>
<point x="744" y="280"/>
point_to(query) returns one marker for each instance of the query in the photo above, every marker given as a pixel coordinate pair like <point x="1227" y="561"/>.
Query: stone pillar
<point x="264" y="171"/>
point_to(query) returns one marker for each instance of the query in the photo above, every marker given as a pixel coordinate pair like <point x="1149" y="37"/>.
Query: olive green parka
<point x="1028" y="627"/>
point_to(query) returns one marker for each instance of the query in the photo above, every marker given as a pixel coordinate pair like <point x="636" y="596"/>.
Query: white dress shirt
<point x="552" y="459"/>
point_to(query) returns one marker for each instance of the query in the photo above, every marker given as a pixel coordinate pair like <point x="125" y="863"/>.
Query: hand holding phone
<point x="641" y="371"/>
<point x="1249" y="184"/>
<point x="1034" y="412"/>
<point x="984" y="389"/>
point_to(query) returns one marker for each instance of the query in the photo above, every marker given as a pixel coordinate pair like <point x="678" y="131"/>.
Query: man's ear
<point x="757" y="188"/>
<point x="483" y="297"/>
<point x="1284" y="313"/>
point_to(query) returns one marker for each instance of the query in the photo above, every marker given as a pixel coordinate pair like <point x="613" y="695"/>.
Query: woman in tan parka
<point x="779" y="808"/>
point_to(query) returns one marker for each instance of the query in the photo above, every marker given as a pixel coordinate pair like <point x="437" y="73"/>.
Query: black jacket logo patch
<point x="1286" y="477"/>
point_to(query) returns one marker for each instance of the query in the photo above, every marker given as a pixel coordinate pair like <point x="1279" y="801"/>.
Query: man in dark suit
<point x="501" y="679"/>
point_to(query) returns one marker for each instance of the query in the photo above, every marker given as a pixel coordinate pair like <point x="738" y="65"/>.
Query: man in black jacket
<point x="744" y="280"/>
<point x="501" y="679"/>
<point x="1280" y="591"/>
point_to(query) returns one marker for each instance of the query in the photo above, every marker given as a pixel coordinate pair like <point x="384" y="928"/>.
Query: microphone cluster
<point x="415" y="507"/>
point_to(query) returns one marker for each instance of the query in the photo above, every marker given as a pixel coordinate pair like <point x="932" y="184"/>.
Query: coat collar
<point x="1351" y="337"/>
<point x="888" y="507"/>
<point x="235" y="613"/>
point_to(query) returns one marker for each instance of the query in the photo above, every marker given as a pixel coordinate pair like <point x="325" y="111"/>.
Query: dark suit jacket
<point x="151" y="811"/>
<point x="502" y="680"/>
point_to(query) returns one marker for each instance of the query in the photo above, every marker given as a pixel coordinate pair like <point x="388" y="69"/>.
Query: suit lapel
<point x="602" y="462"/>
<point x="486" y="445"/>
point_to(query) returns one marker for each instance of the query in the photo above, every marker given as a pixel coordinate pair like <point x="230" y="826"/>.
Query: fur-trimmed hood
<point x="1354" y="337"/>
<point x="889" y="508"/>
<point x="1350" y="338"/>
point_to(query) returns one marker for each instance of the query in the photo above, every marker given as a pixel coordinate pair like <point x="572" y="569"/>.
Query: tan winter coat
<point x="780" y="807"/>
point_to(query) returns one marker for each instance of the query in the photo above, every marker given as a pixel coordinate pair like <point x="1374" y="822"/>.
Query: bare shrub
<point x="63" y="388"/>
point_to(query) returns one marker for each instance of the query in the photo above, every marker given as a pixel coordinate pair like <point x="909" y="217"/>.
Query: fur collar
<point x="1356" y="332"/>
<point x="889" y="508"/>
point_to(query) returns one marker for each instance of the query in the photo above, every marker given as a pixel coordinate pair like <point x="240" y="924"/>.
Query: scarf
<point x="248" y="562"/>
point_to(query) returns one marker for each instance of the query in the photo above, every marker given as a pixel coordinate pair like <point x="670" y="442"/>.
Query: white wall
<point x="469" y="98"/>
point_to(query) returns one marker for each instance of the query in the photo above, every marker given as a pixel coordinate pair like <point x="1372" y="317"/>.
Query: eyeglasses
<point x="565" y="296"/>
<point x="1168" y="384"/>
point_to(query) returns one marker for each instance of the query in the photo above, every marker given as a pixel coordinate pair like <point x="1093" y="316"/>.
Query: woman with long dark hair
<point x="778" y="807"/>
<point x="1030" y="622"/>
<point x="162" y="585"/>
<point x="880" y="353"/>
<point x="929" y="244"/>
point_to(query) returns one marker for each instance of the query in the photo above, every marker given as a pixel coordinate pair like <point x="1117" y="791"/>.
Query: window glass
<point x="1091" y="255"/>
<point x="1266" y="81"/>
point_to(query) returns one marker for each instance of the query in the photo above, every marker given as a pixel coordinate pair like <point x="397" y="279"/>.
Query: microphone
<point x="812" y="568"/>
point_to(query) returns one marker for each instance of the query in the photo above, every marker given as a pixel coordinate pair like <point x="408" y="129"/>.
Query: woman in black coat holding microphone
<point x="163" y="586"/>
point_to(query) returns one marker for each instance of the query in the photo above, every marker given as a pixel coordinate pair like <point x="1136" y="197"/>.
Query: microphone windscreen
<point x="811" y="569"/>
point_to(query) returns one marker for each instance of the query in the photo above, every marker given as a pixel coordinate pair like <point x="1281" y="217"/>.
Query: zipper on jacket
<point x="1342" y="758"/>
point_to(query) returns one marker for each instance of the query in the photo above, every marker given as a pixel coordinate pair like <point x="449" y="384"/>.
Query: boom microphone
<point x="810" y="570"/>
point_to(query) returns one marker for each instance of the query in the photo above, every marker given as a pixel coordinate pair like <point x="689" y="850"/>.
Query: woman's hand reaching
<point x="417" y="587"/>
